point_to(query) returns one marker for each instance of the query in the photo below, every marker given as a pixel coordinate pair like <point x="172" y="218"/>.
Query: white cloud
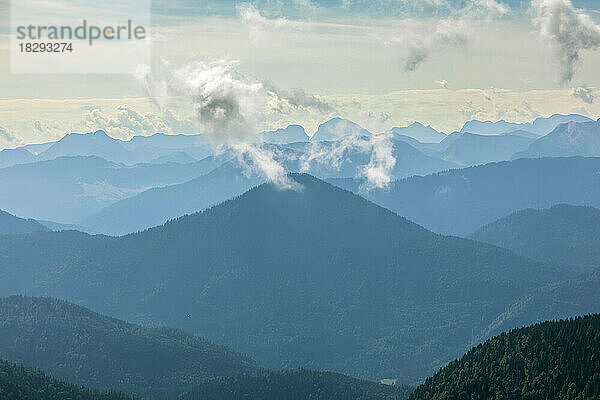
<point x="126" y="122"/>
<point x="257" y="24"/>
<point x="495" y="107"/>
<point x="421" y="40"/>
<point x="584" y="94"/>
<point x="224" y="102"/>
<point x="485" y="9"/>
<point x="568" y="29"/>
<point x="427" y="37"/>
<point x="257" y="159"/>
<point x="7" y="139"/>
<point x="226" y="106"/>
<point x="378" y="172"/>
<point x="472" y="111"/>
<point x="414" y="8"/>
<point x="443" y="83"/>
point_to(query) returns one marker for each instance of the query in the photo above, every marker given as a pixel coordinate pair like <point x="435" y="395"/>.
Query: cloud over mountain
<point x="227" y="106"/>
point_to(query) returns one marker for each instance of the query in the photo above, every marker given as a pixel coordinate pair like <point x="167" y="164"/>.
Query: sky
<point x="380" y="63"/>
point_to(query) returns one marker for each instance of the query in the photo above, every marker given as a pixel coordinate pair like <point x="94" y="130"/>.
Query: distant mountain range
<point x="90" y="144"/>
<point x="69" y="189"/>
<point x="468" y="149"/>
<point x="11" y="225"/>
<point x="317" y="278"/>
<point x="337" y="128"/>
<point x="180" y="157"/>
<point x="481" y="143"/>
<point x="291" y="134"/>
<point x="139" y="149"/>
<point x="158" y="205"/>
<point x="472" y="145"/>
<point x="563" y="234"/>
<point x="419" y="132"/>
<point x="327" y="159"/>
<point x="541" y="126"/>
<point x="458" y="202"/>
<point x="551" y="360"/>
<point x="572" y="139"/>
<point x="77" y="188"/>
<point x="79" y="346"/>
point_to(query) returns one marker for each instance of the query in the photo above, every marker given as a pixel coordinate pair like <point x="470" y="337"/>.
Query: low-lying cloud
<point x="378" y="173"/>
<point x="226" y="106"/>
<point x="126" y="123"/>
<point x="284" y="101"/>
<point x="7" y="139"/>
<point x="584" y="94"/>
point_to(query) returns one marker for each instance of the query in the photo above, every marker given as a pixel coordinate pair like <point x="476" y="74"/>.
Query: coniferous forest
<point x="24" y="383"/>
<point x="549" y="360"/>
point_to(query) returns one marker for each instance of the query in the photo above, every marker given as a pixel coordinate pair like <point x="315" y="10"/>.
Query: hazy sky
<point x="379" y="62"/>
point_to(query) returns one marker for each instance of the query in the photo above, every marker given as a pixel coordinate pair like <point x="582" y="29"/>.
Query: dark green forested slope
<point x="295" y="385"/>
<point x="317" y="278"/>
<point x="563" y="234"/>
<point x="23" y="383"/>
<point x="11" y="225"/>
<point x="75" y="344"/>
<point x="550" y="360"/>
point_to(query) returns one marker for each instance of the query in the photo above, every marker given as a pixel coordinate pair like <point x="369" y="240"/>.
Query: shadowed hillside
<point x="460" y="201"/>
<point x="563" y="234"/>
<point x="295" y="385"/>
<point x="317" y="278"/>
<point x="75" y="344"/>
<point x="18" y="382"/>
